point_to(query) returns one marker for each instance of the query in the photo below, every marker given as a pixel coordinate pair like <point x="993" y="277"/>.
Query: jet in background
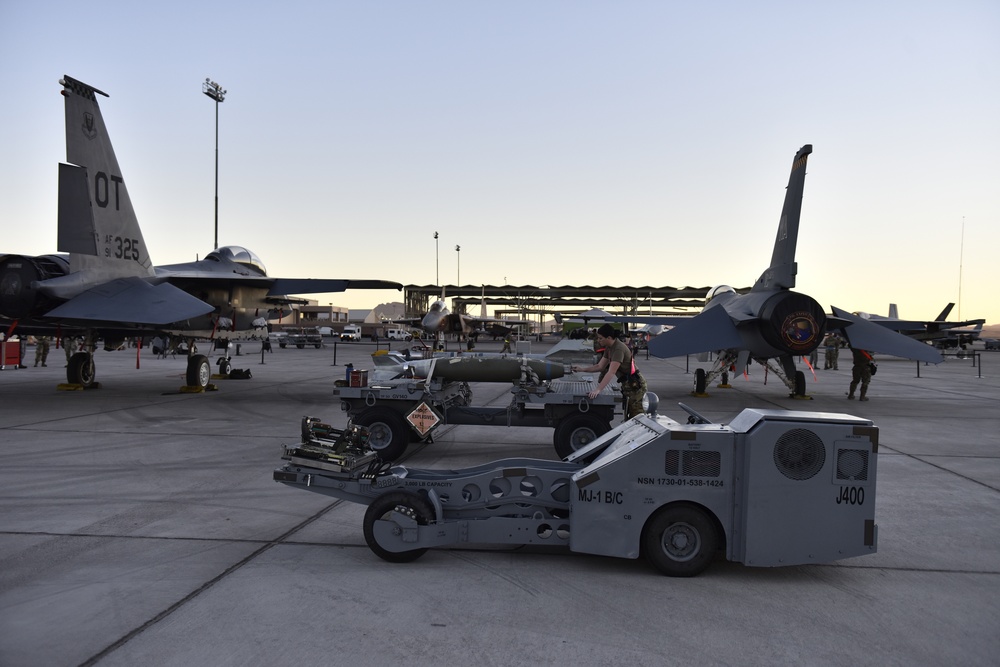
<point x="440" y="320"/>
<point x="107" y="287"/>
<point x="939" y="332"/>
<point x="771" y="322"/>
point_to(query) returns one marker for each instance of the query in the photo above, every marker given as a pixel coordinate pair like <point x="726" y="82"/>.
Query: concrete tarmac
<point x="141" y="526"/>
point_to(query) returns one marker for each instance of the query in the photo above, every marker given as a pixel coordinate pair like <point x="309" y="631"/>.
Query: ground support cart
<point x="400" y="411"/>
<point x="774" y="487"/>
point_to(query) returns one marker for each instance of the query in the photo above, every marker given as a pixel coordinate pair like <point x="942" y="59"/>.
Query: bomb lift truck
<point x="773" y="487"/>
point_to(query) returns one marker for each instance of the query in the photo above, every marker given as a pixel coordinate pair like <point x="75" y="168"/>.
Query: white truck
<point x="398" y="334"/>
<point x="351" y="332"/>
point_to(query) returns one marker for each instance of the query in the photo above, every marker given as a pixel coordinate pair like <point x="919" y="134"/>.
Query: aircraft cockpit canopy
<point x="240" y="255"/>
<point x="716" y="291"/>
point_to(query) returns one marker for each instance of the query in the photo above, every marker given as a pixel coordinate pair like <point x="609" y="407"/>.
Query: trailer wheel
<point x="577" y="431"/>
<point x="680" y="540"/>
<point x="417" y="507"/>
<point x="199" y="371"/>
<point x="700" y="381"/>
<point x="80" y="369"/>
<point x="387" y="432"/>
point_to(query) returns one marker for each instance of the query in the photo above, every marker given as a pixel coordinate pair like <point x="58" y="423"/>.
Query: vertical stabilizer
<point x="97" y="224"/>
<point x="781" y="273"/>
<point x="945" y="313"/>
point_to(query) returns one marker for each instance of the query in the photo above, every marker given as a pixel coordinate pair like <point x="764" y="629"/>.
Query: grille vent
<point x="852" y="464"/>
<point x="799" y="454"/>
<point x="673" y="465"/>
<point x="693" y="464"/>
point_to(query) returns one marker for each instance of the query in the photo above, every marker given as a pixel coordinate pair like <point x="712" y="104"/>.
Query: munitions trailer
<point x="404" y="410"/>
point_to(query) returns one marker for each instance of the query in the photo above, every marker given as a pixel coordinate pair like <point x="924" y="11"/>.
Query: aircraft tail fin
<point x="781" y="273"/>
<point x="97" y="224"/>
<point x="944" y="313"/>
<point x="893" y="311"/>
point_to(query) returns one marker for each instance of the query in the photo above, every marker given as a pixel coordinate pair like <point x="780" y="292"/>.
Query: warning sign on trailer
<point x="423" y="418"/>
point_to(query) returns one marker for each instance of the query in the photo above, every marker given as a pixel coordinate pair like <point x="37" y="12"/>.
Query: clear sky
<point x="557" y="142"/>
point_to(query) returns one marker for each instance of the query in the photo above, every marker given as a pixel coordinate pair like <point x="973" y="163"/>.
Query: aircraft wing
<point x="132" y="301"/>
<point x="319" y="285"/>
<point x="866" y="335"/>
<point x="709" y="330"/>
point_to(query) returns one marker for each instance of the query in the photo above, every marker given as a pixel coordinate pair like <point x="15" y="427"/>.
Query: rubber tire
<point x="725" y="378"/>
<point x="800" y="383"/>
<point x="199" y="371"/>
<point x="388" y="435"/>
<point x="385" y="504"/>
<point x="697" y="540"/>
<point x="81" y="370"/>
<point x="225" y="366"/>
<point x="300" y="345"/>
<point x="577" y="431"/>
<point x="700" y="381"/>
<point x="319" y="345"/>
<point x="282" y="345"/>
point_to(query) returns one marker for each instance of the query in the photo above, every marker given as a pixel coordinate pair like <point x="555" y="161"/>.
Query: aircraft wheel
<point x="199" y="371"/>
<point x="577" y="431"/>
<point x="387" y="432"/>
<point x="725" y="377"/>
<point x="415" y="506"/>
<point x="700" y="381"/>
<point x="800" y="383"/>
<point x="680" y="540"/>
<point x="225" y="366"/>
<point x="81" y="370"/>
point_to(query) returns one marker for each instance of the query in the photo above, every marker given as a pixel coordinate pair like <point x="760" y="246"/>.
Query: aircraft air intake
<point x="18" y="298"/>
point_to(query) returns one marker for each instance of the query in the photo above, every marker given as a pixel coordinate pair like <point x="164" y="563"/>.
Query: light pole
<point x="458" y="264"/>
<point x="215" y="91"/>
<point x="437" y="275"/>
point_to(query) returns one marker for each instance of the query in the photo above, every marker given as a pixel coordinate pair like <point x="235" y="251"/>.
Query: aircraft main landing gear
<point x="81" y="370"/>
<point x="199" y="372"/>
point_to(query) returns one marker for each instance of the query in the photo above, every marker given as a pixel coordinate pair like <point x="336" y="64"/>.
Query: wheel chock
<point x="69" y="386"/>
<point x="194" y="389"/>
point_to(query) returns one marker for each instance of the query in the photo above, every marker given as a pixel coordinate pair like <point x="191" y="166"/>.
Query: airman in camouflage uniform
<point x="41" y="350"/>
<point x="860" y="372"/>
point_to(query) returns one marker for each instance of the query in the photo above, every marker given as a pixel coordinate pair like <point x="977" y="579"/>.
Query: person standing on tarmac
<point x="69" y="346"/>
<point x="832" y="345"/>
<point x="618" y="361"/>
<point x="42" y="350"/>
<point x="860" y="372"/>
